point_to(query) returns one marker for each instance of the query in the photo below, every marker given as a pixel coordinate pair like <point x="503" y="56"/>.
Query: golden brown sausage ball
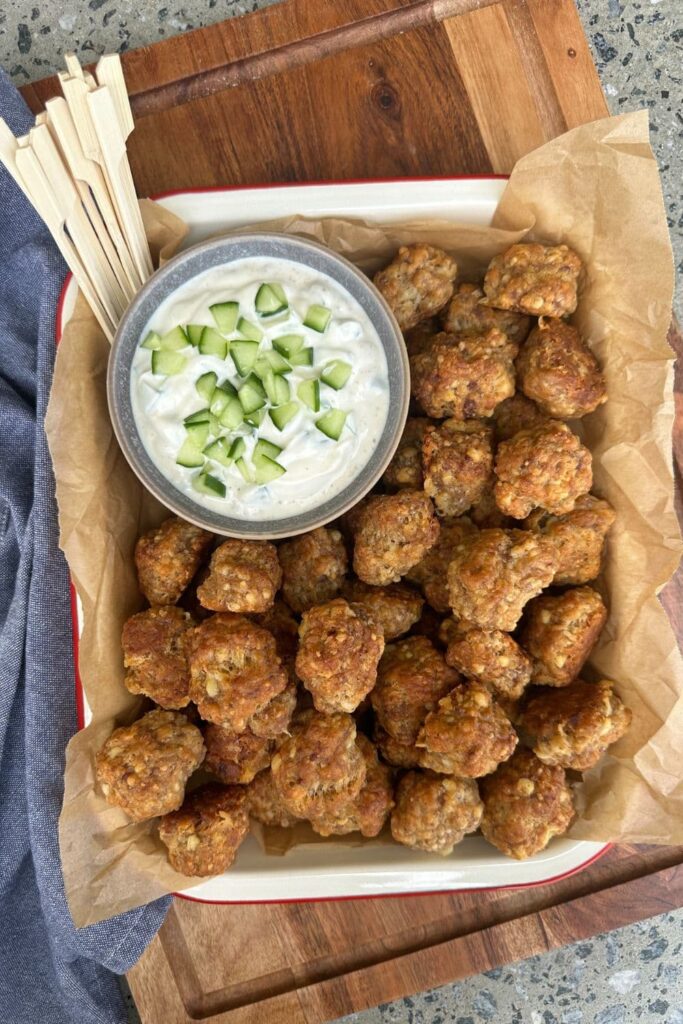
<point x="543" y="467"/>
<point x="468" y="734"/>
<point x="320" y="767"/>
<point x="489" y="656"/>
<point x="419" y="338"/>
<point x="514" y="414"/>
<point x="457" y="461"/>
<point x="369" y="809"/>
<point x="464" y="375"/>
<point x="539" y="280"/>
<point x="235" y="670"/>
<point x="280" y="621"/>
<point x="395" y="607"/>
<point x="412" y="678"/>
<point x="417" y="283"/>
<point x="431" y="572"/>
<point x="405" y="469"/>
<point x="273" y="719"/>
<point x="465" y="312"/>
<point x="578" y="538"/>
<point x="493" y="573"/>
<point x="526" y="803"/>
<point x="339" y="648"/>
<point x="392" y="533"/>
<point x="244" y="577"/>
<point x="433" y="812"/>
<point x="155" y="655"/>
<point x="313" y="567"/>
<point x="236" y="757"/>
<point x="143" y="767"/>
<point x="560" y="632"/>
<point x="264" y="803"/>
<point x="573" y="727"/>
<point x="558" y="371"/>
<point x="167" y="558"/>
<point x="204" y="835"/>
<point x="485" y="514"/>
<point x="400" y="755"/>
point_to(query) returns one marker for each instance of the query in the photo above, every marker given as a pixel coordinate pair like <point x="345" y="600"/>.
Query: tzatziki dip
<point x="260" y="388"/>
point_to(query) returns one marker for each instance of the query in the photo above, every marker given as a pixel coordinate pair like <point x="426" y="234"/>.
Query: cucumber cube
<point x="283" y="414"/>
<point x="277" y="388"/>
<point x="205" y="483"/>
<point x="233" y="415"/>
<point x="336" y="374"/>
<point x="206" y="385"/>
<point x="317" y="318"/>
<point x="174" y="340"/>
<point x="201" y="416"/>
<point x="221" y="397"/>
<point x="152" y="340"/>
<point x="288" y="344"/>
<point x="264" y="447"/>
<point x="266" y="470"/>
<point x="190" y="455"/>
<point x="249" y="330"/>
<point x="194" y="333"/>
<point x="270" y="300"/>
<point x="212" y="343"/>
<point x="302" y="358"/>
<point x="225" y="314"/>
<point x="198" y="433"/>
<point x="251" y="394"/>
<point x="238" y="448"/>
<point x="244" y="356"/>
<point x="256" y="417"/>
<point x="277" y="363"/>
<point x="331" y="423"/>
<point x="308" y="392"/>
<point x="168" y="364"/>
<point x="244" y="470"/>
<point x="219" y="451"/>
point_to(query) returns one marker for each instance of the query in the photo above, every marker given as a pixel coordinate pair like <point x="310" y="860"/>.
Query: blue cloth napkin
<point x="49" y="972"/>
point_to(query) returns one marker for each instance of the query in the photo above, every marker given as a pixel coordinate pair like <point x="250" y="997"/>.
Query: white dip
<point x="317" y="467"/>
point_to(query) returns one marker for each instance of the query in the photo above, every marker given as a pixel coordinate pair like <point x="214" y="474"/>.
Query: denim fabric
<point x="50" y="972"/>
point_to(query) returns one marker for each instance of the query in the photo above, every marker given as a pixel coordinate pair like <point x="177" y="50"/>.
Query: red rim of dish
<point x="80" y="707"/>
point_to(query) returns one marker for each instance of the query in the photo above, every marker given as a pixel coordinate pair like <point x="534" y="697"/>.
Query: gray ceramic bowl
<point x="183" y="268"/>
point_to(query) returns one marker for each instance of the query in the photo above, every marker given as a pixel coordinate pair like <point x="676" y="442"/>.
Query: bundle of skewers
<point x="73" y="168"/>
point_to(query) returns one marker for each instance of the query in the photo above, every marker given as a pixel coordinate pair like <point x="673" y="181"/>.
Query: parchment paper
<point x="595" y="188"/>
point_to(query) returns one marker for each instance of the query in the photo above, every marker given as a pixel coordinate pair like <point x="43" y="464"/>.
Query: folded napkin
<point x="49" y="972"/>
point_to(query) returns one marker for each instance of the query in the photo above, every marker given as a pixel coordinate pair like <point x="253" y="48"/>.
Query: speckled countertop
<point x="631" y="975"/>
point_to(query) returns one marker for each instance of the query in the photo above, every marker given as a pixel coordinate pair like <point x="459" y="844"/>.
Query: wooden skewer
<point x="110" y="73"/>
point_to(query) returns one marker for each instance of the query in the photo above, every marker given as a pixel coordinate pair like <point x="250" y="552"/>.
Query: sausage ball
<point x="339" y="647"/>
<point x="574" y="727"/>
<point x="204" y="835"/>
<point x="405" y="469"/>
<point x="412" y="678"/>
<point x="392" y="533"/>
<point x="457" y="461"/>
<point x="264" y="803"/>
<point x="167" y="558"/>
<point x="514" y="414"/>
<point x="431" y="572"/>
<point x="434" y="813"/>
<point x="369" y="809"/>
<point x="560" y="632"/>
<point x="493" y="573"/>
<point x="313" y="568"/>
<point x="417" y="283"/>
<point x="320" y="767"/>
<point x="400" y="755"/>
<point x="539" y="280"/>
<point x="155" y="655"/>
<point x="488" y="656"/>
<point x="143" y="767"/>
<point x="464" y="375"/>
<point x="395" y="608"/>
<point x="468" y="735"/>
<point x="526" y="803"/>
<point x="419" y="338"/>
<point x="578" y="538"/>
<point x="465" y="312"/>
<point x="558" y="371"/>
<point x="273" y="719"/>
<point x="543" y="467"/>
<point x="244" y="577"/>
<point x="280" y="621"/>
<point x="236" y="757"/>
<point x="235" y="670"/>
<point x="485" y="514"/>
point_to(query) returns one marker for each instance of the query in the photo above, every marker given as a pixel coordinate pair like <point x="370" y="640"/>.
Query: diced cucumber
<point x="174" y="340"/>
<point x="198" y="433"/>
<point x="194" y="333"/>
<point x="233" y="415"/>
<point x="205" y="483"/>
<point x="219" y="451"/>
<point x="283" y="414"/>
<point x="206" y="385"/>
<point x="336" y="374"/>
<point x="263" y="447"/>
<point x="256" y="417"/>
<point x="152" y="340"/>
<point x="212" y="343"/>
<point x="277" y="388"/>
<point x="244" y="470"/>
<point x="225" y="314"/>
<point x="302" y="358"/>
<point x="317" y="318"/>
<point x="249" y="330"/>
<point x="221" y="397"/>
<point x="190" y="455"/>
<point x="308" y="392"/>
<point x="251" y="394"/>
<point x="288" y="344"/>
<point x="266" y="470"/>
<point x="270" y="300"/>
<point x="238" y="448"/>
<point x="201" y="416"/>
<point x="277" y="362"/>
<point x="244" y="356"/>
<point x="331" y="423"/>
<point x="168" y="363"/>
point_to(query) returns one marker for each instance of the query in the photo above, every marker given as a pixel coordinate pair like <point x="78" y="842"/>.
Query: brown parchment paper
<point x="595" y="188"/>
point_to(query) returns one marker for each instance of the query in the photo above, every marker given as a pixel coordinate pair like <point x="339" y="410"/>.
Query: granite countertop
<point x="631" y="975"/>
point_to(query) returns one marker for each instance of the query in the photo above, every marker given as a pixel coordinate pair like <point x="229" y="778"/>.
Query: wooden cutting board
<point x="350" y="90"/>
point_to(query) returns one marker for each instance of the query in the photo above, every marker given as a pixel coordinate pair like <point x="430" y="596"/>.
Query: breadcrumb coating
<point x="417" y="283"/>
<point x="539" y="280"/>
<point x="457" y="462"/>
<point x="167" y="558"/>
<point x="155" y="655"/>
<point x="433" y="812"/>
<point x="559" y="372"/>
<point x="392" y="533"/>
<point x="412" y="678"/>
<point x="244" y="577"/>
<point x="578" y="538"/>
<point x="203" y="837"/>
<point x="559" y="633"/>
<point x="468" y="734"/>
<point x="542" y="467"/>
<point x="464" y="375"/>
<point x="489" y="656"/>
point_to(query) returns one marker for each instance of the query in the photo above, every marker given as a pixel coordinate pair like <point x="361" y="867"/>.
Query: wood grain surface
<point x="363" y="89"/>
